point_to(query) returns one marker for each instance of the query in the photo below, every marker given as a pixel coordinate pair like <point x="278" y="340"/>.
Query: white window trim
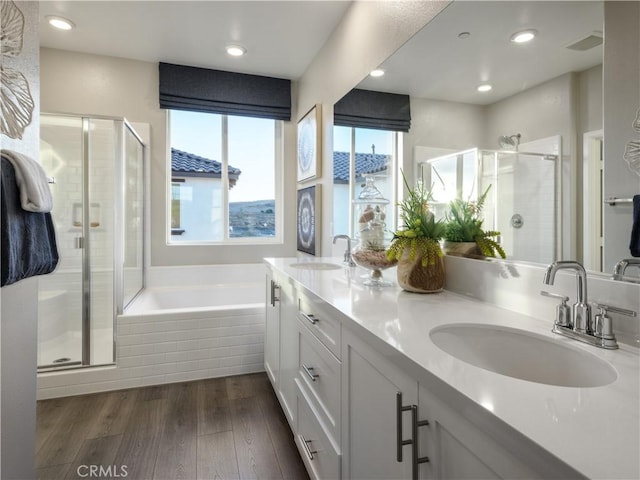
<point x="396" y="185"/>
<point x="278" y="238"/>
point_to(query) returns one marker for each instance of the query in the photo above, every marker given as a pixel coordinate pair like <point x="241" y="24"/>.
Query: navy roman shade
<point x="377" y="110"/>
<point x="216" y="91"/>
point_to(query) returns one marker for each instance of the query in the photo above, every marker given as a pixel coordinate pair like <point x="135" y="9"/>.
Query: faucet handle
<point x="563" y="312"/>
<point x="555" y="295"/>
<point x="603" y="326"/>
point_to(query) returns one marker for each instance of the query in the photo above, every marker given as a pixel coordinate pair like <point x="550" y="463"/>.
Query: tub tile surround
<point x="160" y="347"/>
<point x="567" y="422"/>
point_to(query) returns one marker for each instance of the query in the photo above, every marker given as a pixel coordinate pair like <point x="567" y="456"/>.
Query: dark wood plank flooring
<point x="220" y="428"/>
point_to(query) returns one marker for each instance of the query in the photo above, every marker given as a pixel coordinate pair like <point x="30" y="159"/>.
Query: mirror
<point x="546" y="100"/>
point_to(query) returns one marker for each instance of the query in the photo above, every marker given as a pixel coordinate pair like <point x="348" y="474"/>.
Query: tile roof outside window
<point x="365" y="163"/>
<point x="184" y="162"/>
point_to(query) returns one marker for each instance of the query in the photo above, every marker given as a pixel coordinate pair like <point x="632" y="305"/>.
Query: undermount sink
<point x="316" y="265"/>
<point x="524" y="355"/>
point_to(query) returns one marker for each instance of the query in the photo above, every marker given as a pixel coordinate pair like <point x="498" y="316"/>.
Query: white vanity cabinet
<point x="370" y="435"/>
<point x="280" y="343"/>
<point x="378" y="395"/>
<point x="360" y="409"/>
<point x="272" y="330"/>
<point x="288" y="350"/>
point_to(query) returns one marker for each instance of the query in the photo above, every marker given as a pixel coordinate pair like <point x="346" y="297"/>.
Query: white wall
<point x="621" y="101"/>
<point x="197" y="222"/>
<point x="369" y="32"/>
<point x="19" y="309"/>
<point x="99" y="85"/>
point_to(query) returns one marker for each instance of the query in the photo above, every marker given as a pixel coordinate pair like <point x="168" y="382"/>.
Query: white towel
<point x="35" y="195"/>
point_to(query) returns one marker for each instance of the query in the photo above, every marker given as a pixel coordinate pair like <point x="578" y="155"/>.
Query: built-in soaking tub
<point x="186" y="325"/>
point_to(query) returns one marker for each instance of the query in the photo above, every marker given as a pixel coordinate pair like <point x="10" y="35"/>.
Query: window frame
<point x="395" y="181"/>
<point x="278" y="237"/>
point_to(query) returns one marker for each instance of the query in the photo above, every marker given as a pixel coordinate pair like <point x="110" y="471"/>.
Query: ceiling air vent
<point x="585" y="43"/>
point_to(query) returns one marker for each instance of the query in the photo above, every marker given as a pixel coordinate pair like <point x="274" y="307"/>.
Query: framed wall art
<point x="308" y="219"/>
<point x="309" y="142"/>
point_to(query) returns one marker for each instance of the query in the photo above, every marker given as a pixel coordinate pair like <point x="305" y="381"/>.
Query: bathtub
<point x="185" y="325"/>
<point x="167" y="300"/>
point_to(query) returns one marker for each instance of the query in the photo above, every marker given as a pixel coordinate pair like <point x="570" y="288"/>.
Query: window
<point x="359" y="152"/>
<point x="225" y="178"/>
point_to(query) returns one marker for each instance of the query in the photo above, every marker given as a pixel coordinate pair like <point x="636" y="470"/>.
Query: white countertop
<point x="596" y="430"/>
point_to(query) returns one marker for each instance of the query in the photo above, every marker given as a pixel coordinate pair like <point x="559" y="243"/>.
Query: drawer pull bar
<point x="399" y="410"/>
<point x="309" y="372"/>
<point x="307" y="450"/>
<point x="416" y="458"/>
<point x="274" y="298"/>
<point x="309" y="318"/>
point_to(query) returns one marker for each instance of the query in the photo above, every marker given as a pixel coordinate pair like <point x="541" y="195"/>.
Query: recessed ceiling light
<point x="463" y="35"/>
<point x="378" y="72"/>
<point x="236" y="50"/>
<point x="485" y="87"/>
<point x="524" y="36"/>
<point x="60" y="23"/>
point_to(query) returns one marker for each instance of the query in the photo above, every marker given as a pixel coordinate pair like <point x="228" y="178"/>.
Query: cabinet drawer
<point x="321" y="459"/>
<point x="319" y="374"/>
<point x="321" y="322"/>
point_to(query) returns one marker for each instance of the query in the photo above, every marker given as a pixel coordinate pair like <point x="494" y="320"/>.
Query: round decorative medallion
<point x="306" y="146"/>
<point x="306" y="220"/>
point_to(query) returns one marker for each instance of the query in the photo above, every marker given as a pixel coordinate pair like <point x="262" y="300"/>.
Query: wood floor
<point x="224" y="428"/>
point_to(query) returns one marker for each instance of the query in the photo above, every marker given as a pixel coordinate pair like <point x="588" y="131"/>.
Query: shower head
<point x="509" y="141"/>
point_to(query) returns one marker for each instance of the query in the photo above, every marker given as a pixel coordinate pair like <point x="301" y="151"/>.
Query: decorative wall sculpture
<point x="16" y="102"/>
<point x="632" y="149"/>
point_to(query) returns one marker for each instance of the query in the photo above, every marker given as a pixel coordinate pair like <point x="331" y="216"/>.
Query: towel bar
<point x="612" y="201"/>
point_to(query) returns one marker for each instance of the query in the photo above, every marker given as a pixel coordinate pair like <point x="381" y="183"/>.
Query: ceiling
<point x="436" y="64"/>
<point x="281" y="37"/>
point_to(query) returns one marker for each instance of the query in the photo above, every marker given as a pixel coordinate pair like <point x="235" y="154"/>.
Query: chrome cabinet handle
<point x="274" y="299"/>
<point x="309" y="318"/>
<point x="309" y="372"/>
<point x="417" y="459"/>
<point x="307" y="450"/>
<point x="400" y="442"/>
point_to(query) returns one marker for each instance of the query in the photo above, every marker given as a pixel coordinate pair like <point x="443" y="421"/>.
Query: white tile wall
<point x="164" y="348"/>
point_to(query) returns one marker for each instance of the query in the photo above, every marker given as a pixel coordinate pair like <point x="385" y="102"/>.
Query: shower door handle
<point x="79" y="242"/>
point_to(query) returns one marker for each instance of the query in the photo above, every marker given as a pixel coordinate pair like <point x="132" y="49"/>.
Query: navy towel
<point x="28" y="238"/>
<point x="634" y="246"/>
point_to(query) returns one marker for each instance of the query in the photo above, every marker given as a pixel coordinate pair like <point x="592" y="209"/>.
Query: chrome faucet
<point x="347" y="260"/>
<point x="621" y="266"/>
<point x="597" y="332"/>
<point x="580" y="311"/>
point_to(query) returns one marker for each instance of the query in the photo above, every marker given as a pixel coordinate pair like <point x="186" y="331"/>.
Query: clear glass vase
<point x="371" y="251"/>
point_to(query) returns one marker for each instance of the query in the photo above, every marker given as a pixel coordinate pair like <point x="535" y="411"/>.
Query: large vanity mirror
<point x="535" y="135"/>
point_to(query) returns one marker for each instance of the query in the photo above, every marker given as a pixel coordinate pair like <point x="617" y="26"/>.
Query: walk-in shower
<point x="95" y="170"/>
<point x="523" y="202"/>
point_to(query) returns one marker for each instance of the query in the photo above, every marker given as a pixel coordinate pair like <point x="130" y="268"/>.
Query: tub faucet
<point x="621" y="266"/>
<point x="347" y="260"/>
<point x="580" y="311"/>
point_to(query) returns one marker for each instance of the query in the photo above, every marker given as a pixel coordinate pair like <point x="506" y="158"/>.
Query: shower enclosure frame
<point x="121" y="125"/>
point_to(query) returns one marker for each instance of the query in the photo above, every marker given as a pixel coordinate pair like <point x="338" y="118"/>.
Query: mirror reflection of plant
<point x="463" y="224"/>
<point x="420" y="231"/>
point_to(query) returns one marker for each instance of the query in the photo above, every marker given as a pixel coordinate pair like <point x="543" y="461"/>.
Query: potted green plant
<point x="464" y="235"/>
<point x="416" y="245"/>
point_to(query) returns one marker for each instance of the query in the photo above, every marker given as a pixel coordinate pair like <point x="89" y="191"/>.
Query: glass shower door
<point x="61" y="293"/>
<point x="100" y="231"/>
<point x="132" y="274"/>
